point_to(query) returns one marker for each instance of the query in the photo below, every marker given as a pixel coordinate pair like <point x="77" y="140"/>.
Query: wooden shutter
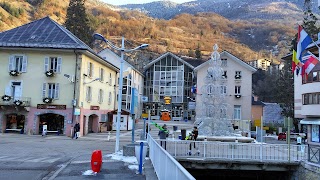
<point x="11" y="63"/>
<point x="46" y="64"/>
<point x="87" y="93"/>
<point x="59" y="65"/>
<point x="44" y="88"/>
<point x="56" y="91"/>
<point x="88" y="69"/>
<point x="99" y="96"/>
<point x="24" y="63"/>
<point x="92" y="70"/>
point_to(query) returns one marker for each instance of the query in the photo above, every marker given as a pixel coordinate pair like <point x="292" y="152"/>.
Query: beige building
<point x="238" y="87"/>
<point x="51" y="79"/>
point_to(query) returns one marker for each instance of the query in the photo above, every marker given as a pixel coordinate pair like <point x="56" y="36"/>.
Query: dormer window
<point x="223" y="62"/>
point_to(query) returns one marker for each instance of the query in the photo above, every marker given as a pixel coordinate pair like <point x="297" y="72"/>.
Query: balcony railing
<point x="16" y="101"/>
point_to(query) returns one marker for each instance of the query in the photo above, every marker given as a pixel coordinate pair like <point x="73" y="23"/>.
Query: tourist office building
<point x="170" y="76"/>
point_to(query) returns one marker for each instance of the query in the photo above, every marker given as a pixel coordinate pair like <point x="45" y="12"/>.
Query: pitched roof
<point x="193" y="61"/>
<point x="233" y="57"/>
<point x="169" y="54"/>
<point x="42" y="33"/>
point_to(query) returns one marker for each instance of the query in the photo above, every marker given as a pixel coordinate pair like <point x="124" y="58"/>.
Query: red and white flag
<point x="310" y="62"/>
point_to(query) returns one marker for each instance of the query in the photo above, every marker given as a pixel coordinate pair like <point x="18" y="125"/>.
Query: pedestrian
<point x="193" y="136"/>
<point x="163" y="134"/>
<point x="76" y="129"/>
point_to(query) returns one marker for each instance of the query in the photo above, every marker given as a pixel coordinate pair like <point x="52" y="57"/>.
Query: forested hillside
<point x="182" y="34"/>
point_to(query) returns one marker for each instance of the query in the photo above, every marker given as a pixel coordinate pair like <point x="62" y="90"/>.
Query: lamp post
<point x="122" y="50"/>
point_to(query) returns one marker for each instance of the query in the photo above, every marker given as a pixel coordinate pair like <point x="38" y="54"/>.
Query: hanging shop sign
<point x="167" y="100"/>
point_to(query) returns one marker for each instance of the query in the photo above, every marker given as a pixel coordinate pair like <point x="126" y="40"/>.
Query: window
<point x="100" y="96"/>
<point x="50" y="90"/>
<point x="311" y="98"/>
<point x="237" y="90"/>
<point x="101" y="74"/>
<point x="224" y="74"/>
<point x="52" y="63"/>
<point x="223" y="62"/>
<point x="110" y="79"/>
<point x="237" y="112"/>
<point x="89" y="94"/>
<point x="18" y="63"/>
<point x="311" y="77"/>
<point x="223" y="89"/>
<point x="90" y="69"/>
<point x="238" y="75"/>
<point x="109" y="98"/>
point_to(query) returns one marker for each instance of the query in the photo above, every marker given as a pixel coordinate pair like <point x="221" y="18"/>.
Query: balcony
<point x="17" y="101"/>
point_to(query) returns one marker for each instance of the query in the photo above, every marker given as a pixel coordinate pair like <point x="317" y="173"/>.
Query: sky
<point x="121" y="2"/>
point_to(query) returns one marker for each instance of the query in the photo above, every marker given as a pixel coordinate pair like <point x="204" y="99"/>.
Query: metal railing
<point x="314" y="154"/>
<point x="25" y="101"/>
<point x="165" y="166"/>
<point x="236" y="151"/>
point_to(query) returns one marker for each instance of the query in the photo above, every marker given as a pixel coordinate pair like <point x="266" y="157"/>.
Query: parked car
<point x="282" y="136"/>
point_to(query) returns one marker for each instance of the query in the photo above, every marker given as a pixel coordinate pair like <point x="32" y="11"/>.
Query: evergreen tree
<point x="197" y="52"/>
<point x="77" y="21"/>
<point x="310" y="20"/>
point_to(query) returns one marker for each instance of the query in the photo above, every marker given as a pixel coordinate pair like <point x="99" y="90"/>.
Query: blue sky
<point x="121" y="2"/>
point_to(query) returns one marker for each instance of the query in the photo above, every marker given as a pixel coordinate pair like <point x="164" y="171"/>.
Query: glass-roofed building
<point x="170" y="76"/>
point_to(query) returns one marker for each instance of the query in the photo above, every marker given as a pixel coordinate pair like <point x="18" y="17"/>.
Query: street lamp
<point x="122" y="50"/>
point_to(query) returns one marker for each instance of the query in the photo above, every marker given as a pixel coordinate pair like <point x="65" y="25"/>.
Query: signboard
<point x="167" y="100"/>
<point x="144" y="115"/>
<point x="191" y="105"/>
<point x="257" y="122"/>
<point x="50" y="106"/>
<point x="76" y="111"/>
<point x="94" y="107"/>
<point x="144" y="98"/>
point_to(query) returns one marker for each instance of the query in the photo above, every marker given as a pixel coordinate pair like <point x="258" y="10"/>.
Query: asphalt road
<point x="35" y="157"/>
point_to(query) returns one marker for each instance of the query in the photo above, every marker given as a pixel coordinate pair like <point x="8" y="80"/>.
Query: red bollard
<point x="96" y="161"/>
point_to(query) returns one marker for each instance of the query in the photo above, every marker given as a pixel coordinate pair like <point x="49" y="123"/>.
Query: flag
<point x="295" y="61"/>
<point x="309" y="61"/>
<point x="194" y="89"/>
<point x="303" y="41"/>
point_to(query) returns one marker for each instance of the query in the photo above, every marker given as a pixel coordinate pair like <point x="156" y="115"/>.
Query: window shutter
<point x="109" y="100"/>
<point x="44" y="90"/>
<point x="57" y="89"/>
<point x="92" y="71"/>
<point x="87" y="93"/>
<point x="11" y="63"/>
<point x="59" y="65"/>
<point x="46" y="64"/>
<point x="100" y="74"/>
<point x="24" y="64"/>
<point x="8" y="91"/>
<point x="88" y="69"/>
<point x="90" y="94"/>
<point x="99" y="97"/>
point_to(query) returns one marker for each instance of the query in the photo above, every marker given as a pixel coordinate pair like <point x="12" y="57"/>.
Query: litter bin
<point x="175" y="128"/>
<point x="96" y="161"/>
<point x="183" y="134"/>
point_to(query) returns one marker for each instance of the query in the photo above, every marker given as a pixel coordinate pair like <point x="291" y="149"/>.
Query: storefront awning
<point x="310" y="121"/>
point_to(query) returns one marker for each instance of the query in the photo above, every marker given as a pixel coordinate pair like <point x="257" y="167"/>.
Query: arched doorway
<point x="54" y="123"/>
<point x="93" y="124"/>
<point x="15" y="123"/>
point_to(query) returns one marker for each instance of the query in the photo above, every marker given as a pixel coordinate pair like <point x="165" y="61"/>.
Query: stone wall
<point x="307" y="171"/>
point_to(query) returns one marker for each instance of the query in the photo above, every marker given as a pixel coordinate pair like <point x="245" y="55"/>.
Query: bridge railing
<point x="165" y="166"/>
<point x="236" y="151"/>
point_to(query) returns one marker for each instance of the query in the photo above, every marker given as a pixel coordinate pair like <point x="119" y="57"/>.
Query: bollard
<point x="96" y="161"/>
<point x="141" y="154"/>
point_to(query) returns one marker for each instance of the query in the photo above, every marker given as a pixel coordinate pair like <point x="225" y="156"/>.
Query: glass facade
<point x="169" y="77"/>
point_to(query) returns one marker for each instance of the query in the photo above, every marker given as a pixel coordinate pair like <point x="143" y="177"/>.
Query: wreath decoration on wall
<point x="6" y="98"/>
